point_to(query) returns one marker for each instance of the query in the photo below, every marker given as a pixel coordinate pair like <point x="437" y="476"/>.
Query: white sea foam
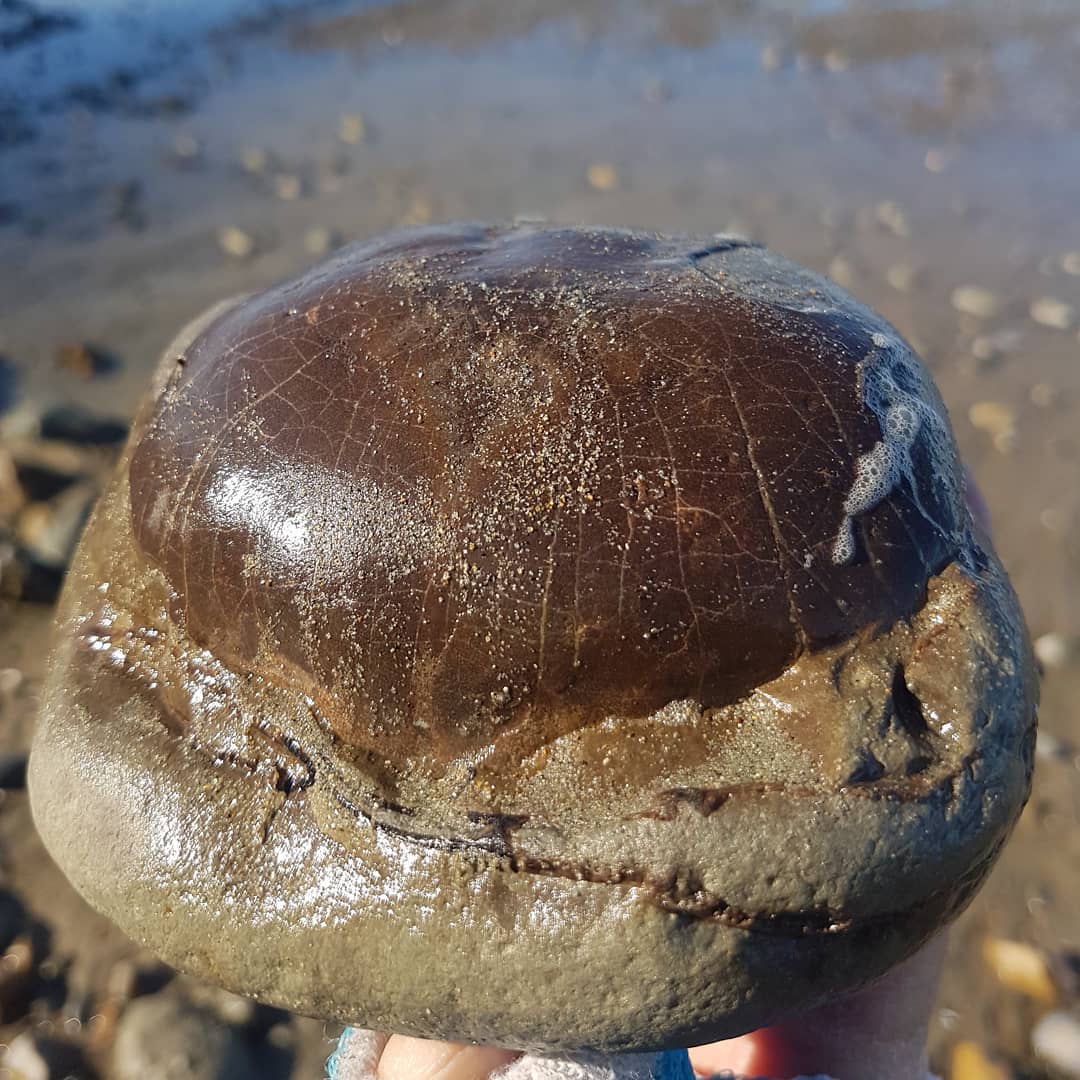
<point x="898" y="391"/>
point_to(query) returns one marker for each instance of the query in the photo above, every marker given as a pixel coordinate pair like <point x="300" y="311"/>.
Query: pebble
<point x="186" y="147"/>
<point x="842" y="272"/>
<point x="236" y="242"/>
<point x="997" y="420"/>
<point x="1070" y="263"/>
<point x="973" y="300"/>
<point x="352" y="129"/>
<point x="164" y="1037"/>
<point x="1056" y="314"/>
<point x="936" y="161"/>
<point x="254" y="159"/>
<point x="892" y="217"/>
<point x="1052" y="650"/>
<point x="12" y="495"/>
<point x="971" y="1062"/>
<point x="1020" y="967"/>
<point x="74" y="424"/>
<point x="771" y="58"/>
<point x="288" y="187"/>
<point x="13" y="771"/>
<point x="37" y="1056"/>
<point x="1050" y="748"/>
<point x="1056" y="1039"/>
<point x="901" y="276"/>
<point x="56" y="459"/>
<point x="990" y="346"/>
<point x="11" y="570"/>
<point x="836" y="61"/>
<point x="1043" y="394"/>
<point x="83" y="360"/>
<point x="16" y="977"/>
<point x="319" y="240"/>
<point x="602" y="176"/>
<point x="49" y="531"/>
<point x="25" y="1059"/>
<point x="232" y="1008"/>
<point x="420" y="210"/>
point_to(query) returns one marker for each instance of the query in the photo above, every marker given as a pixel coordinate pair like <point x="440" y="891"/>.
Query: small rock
<point x="34" y="1056"/>
<point x="1043" y="394"/>
<point x="25" y="1059"/>
<point x="892" y="217"/>
<point x="771" y="58"/>
<point x="1020" y="967"/>
<point x="319" y="240"/>
<point x="901" y="276"/>
<point x="12" y="575"/>
<point x="186" y="149"/>
<point x="288" y="187"/>
<point x="236" y="242"/>
<point x="836" y="61"/>
<point x="997" y="420"/>
<point x="973" y="300"/>
<point x="49" y="531"/>
<point x="1054" y="520"/>
<point x="1052" y="650"/>
<point x="47" y="466"/>
<point x="1050" y="748"/>
<point x="1056" y="314"/>
<point x="420" y="210"/>
<point x="971" y="1062"/>
<point x="10" y="681"/>
<point x="164" y="1037"/>
<point x="1070" y="263"/>
<point x="1056" y="1039"/>
<point x="16" y="977"/>
<point x="12" y="495"/>
<point x="936" y="161"/>
<point x="352" y="129"/>
<point x="232" y="1008"/>
<point x="987" y="347"/>
<point x="255" y="160"/>
<point x="841" y="271"/>
<point x="13" y="771"/>
<point x="602" y="176"/>
<point x="84" y="360"/>
<point x="72" y="424"/>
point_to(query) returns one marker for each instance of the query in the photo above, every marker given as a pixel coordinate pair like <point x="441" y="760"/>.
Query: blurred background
<point x="158" y="156"/>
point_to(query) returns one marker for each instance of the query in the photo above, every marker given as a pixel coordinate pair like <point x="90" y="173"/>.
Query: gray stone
<point x="1056" y="1039"/>
<point x="165" y="1037"/>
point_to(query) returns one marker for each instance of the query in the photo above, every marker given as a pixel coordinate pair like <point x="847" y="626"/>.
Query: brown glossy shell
<point x="478" y="480"/>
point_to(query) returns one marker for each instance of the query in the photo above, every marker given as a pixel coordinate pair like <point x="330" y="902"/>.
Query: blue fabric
<point x="334" y="1063"/>
<point x="673" y="1065"/>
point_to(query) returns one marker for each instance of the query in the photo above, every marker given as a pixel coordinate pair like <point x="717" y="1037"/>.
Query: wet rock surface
<point x="914" y="151"/>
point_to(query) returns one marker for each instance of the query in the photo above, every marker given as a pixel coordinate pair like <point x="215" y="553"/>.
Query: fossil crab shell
<point x="556" y="638"/>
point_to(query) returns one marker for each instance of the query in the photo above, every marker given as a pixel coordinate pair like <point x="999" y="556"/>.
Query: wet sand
<point x="925" y="155"/>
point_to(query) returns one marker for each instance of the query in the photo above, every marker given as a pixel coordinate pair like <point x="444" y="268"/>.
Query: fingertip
<point x="406" y="1058"/>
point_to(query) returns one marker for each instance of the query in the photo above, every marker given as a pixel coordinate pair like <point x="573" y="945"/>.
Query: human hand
<point x="878" y="1032"/>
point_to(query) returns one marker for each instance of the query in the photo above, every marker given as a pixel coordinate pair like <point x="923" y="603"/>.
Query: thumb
<point x="405" y="1058"/>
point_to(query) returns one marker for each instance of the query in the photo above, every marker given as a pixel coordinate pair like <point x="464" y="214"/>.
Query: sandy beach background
<point x="156" y="157"/>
